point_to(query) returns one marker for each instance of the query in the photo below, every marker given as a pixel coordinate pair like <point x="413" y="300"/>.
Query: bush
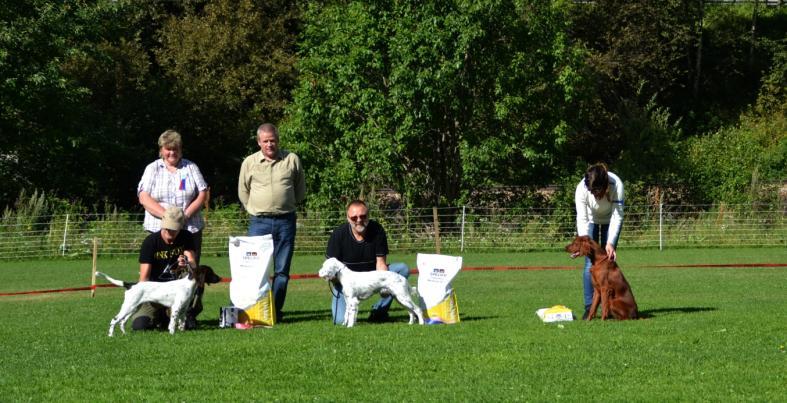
<point x="731" y="164"/>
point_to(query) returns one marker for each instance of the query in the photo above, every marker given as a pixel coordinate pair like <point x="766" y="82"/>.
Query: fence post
<point x="93" y="275"/>
<point x="436" y="230"/>
<point x="661" y="222"/>
<point x="65" y="233"/>
<point x="462" y="236"/>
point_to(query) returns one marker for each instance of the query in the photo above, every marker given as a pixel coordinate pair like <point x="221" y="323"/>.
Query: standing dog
<point x="609" y="286"/>
<point x="358" y="286"/>
<point x="176" y="295"/>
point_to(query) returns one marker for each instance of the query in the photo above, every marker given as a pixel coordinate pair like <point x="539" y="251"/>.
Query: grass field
<point x="711" y="334"/>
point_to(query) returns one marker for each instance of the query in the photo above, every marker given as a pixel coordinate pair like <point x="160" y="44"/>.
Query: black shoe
<point x="586" y="314"/>
<point x="191" y="323"/>
<point x="379" y="317"/>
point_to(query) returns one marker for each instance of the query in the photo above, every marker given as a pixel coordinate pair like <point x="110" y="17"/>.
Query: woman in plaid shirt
<point x="173" y="181"/>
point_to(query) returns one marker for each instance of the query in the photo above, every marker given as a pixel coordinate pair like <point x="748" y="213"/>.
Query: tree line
<point x="432" y="99"/>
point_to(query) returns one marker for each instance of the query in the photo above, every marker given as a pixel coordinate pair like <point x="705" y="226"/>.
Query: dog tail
<point x="118" y="283"/>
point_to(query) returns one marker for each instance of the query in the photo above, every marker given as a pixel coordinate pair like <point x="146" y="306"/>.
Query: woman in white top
<point x="599" y="202"/>
<point x="173" y="181"/>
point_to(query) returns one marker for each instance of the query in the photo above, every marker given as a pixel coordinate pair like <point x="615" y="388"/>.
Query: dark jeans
<point x="282" y="228"/>
<point x="197" y="244"/>
<point x="151" y="316"/>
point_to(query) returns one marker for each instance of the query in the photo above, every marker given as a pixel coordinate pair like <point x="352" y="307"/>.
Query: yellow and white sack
<point x="251" y="261"/>
<point x="435" y="273"/>
<point x="557" y="313"/>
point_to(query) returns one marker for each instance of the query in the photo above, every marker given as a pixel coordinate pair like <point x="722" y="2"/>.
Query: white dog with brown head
<point x="357" y="286"/>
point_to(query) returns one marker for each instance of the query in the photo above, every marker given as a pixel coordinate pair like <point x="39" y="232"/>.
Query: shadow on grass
<point x="307" y="316"/>
<point x="325" y="315"/>
<point x="650" y="313"/>
<point x="474" y="318"/>
<point x="289" y="317"/>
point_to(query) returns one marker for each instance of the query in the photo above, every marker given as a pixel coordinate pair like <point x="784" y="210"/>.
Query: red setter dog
<point x="609" y="286"/>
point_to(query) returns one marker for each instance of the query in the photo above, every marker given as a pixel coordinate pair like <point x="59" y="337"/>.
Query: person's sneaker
<point x="378" y="317"/>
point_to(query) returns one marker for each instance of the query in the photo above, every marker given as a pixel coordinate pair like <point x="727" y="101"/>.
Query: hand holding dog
<point x="610" y="249"/>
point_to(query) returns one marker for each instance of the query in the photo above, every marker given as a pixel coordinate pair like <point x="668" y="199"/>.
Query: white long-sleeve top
<point x="607" y="210"/>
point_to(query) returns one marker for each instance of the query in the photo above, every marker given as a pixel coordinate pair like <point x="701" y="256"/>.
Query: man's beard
<point x="359" y="228"/>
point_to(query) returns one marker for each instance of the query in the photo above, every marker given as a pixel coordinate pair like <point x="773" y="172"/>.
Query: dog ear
<point x="584" y="246"/>
<point x="210" y="276"/>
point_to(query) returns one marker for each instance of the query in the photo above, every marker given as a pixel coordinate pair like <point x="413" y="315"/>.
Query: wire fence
<point x="452" y="230"/>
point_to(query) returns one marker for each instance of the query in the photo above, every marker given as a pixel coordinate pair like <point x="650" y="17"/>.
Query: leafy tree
<point x="641" y="56"/>
<point x="772" y="98"/>
<point x="433" y="98"/>
<point x="232" y="65"/>
<point x="654" y="140"/>
<point x="86" y="87"/>
<point x="729" y="165"/>
<point x="729" y="80"/>
<point x="48" y="139"/>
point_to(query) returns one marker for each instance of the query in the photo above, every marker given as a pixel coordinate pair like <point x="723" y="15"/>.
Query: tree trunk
<point x="753" y="33"/>
<point x="698" y="61"/>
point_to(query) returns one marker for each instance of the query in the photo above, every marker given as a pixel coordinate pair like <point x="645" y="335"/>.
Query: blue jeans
<point x="338" y="303"/>
<point x="282" y="228"/>
<point x="597" y="232"/>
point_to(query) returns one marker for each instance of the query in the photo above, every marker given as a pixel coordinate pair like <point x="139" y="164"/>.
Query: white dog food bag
<point x="251" y="260"/>
<point x="435" y="273"/>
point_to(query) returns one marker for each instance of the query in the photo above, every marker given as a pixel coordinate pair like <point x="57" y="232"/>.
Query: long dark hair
<point x="597" y="179"/>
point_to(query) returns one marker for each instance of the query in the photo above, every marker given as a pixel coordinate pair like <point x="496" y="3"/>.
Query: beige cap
<point x="173" y="219"/>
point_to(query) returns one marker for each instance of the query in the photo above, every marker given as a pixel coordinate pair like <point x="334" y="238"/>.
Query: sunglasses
<point x="361" y="217"/>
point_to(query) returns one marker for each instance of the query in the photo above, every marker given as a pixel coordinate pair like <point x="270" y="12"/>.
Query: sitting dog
<point x="610" y="287"/>
<point x="358" y="286"/>
<point x="176" y="295"/>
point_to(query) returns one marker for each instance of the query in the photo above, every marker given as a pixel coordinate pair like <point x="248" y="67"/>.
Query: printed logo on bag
<point x="438" y="275"/>
<point x="250" y="256"/>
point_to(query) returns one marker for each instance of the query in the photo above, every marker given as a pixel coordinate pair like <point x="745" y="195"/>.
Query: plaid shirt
<point x="177" y="188"/>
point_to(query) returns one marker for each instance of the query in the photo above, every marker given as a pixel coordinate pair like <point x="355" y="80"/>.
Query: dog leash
<point x="330" y="287"/>
<point x="167" y="273"/>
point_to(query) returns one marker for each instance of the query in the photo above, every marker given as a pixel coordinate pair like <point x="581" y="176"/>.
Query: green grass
<point x="711" y="334"/>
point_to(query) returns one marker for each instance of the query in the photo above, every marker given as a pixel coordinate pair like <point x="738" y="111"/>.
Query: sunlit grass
<point x="712" y="334"/>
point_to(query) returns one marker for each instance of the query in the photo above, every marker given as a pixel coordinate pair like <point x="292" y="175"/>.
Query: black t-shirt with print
<point x="159" y="254"/>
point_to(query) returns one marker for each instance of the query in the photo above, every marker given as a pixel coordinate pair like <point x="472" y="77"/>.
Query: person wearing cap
<point x="270" y="186"/>
<point x="599" y="204"/>
<point x="172" y="180"/>
<point x="160" y="256"/>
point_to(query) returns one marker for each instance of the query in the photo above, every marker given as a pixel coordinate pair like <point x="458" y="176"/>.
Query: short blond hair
<point x="170" y="139"/>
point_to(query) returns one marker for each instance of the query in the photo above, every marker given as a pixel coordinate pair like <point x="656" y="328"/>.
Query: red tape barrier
<point x="415" y="271"/>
